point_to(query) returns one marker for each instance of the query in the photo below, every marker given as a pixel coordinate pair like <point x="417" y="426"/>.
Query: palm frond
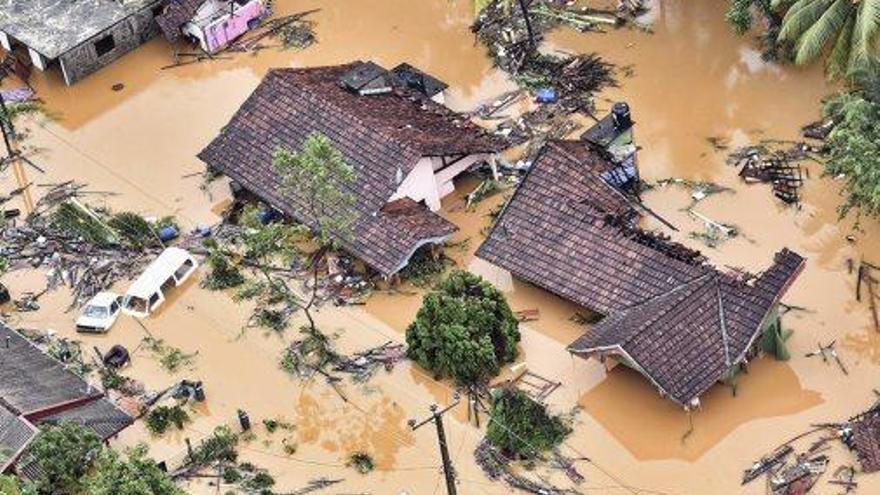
<point x="838" y="60"/>
<point x="801" y="16"/>
<point x="865" y="33"/>
<point x="813" y="41"/>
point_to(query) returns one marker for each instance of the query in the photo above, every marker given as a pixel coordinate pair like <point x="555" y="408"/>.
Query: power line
<point x="605" y="471"/>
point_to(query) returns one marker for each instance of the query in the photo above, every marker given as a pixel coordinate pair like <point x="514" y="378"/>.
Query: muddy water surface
<point x="691" y="79"/>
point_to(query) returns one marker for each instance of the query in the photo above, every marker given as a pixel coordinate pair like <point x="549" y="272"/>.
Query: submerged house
<point x="668" y="314"/>
<point x="405" y="148"/>
<point x="78" y="36"/>
<point x="213" y="24"/>
<point x="37" y="390"/>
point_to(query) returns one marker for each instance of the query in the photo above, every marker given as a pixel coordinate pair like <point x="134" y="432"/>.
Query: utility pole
<point x="14" y="157"/>
<point x="437" y="418"/>
<point x="525" y="13"/>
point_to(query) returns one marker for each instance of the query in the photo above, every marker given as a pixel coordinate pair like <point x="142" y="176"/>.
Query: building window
<point x="105" y="45"/>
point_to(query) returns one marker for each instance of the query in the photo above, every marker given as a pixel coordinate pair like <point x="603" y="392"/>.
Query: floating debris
<point x="769" y="163"/>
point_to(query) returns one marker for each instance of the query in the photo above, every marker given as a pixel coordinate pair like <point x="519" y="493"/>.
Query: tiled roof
<point x="31" y="380"/>
<point x="100" y="415"/>
<point x="15" y="434"/>
<point x="688" y="338"/>
<point x="175" y="15"/>
<point x="866" y="441"/>
<point x="35" y="389"/>
<point x="680" y="321"/>
<point x="559" y="232"/>
<point x="382" y="136"/>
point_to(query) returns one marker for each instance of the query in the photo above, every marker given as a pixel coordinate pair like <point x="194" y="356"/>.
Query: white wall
<point x="422" y="184"/>
<point x="419" y="185"/>
<point x="37" y="59"/>
<point x="444" y="178"/>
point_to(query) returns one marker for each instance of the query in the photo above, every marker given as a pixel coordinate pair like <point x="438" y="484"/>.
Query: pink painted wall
<point x="232" y="26"/>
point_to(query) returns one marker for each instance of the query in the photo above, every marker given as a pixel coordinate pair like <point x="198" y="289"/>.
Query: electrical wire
<point x="605" y="471"/>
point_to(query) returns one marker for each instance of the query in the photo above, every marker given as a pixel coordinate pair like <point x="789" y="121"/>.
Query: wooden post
<point x="872" y="301"/>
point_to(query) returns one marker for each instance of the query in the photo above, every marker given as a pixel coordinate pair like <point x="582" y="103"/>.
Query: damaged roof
<point x="175" y="15"/>
<point x="54" y="27"/>
<point x="554" y="233"/>
<point x="680" y="321"/>
<point x="15" y="435"/>
<point x="689" y="338"/>
<point x="382" y="136"/>
<point x="866" y="440"/>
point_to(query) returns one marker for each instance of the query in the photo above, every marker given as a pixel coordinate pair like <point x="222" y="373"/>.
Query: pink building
<point x="211" y="23"/>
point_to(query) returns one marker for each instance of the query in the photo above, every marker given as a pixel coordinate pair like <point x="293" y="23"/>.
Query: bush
<point x="133" y="228"/>
<point x="855" y="150"/>
<point x="133" y="474"/>
<point x="64" y="454"/>
<point x="521" y="427"/>
<point x="223" y="274"/>
<point x="162" y="417"/>
<point x="465" y="330"/>
<point x="362" y="462"/>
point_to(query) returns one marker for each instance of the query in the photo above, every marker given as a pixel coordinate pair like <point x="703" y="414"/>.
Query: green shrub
<point x="465" y="330"/>
<point x="855" y="150"/>
<point x="160" y="418"/>
<point x="521" y="427"/>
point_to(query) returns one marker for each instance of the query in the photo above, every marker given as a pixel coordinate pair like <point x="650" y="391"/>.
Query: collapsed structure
<point x="37" y="390"/>
<point x="211" y="23"/>
<point x="79" y="36"/>
<point x="405" y="148"/>
<point x="572" y="229"/>
<point x="865" y="439"/>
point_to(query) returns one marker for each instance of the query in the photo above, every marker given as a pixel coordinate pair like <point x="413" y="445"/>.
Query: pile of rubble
<point x="73" y="258"/>
<point x="561" y="84"/>
<point x="793" y="471"/>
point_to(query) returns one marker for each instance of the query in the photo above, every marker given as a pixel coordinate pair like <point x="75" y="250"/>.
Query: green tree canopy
<point x="132" y="474"/>
<point x="465" y="330"/>
<point x="847" y="30"/>
<point x="855" y="149"/>
<point x="64" y="453"/>
<point x="521" y="427"/>
<point x="319" y="175"/>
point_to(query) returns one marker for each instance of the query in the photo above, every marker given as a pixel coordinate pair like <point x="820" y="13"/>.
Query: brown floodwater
<point x="691" y="79"/>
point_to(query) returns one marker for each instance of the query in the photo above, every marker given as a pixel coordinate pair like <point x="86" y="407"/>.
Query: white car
<point x="100" y="313"/>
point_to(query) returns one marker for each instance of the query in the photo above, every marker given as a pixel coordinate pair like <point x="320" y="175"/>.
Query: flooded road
<point x="692" y="79"/>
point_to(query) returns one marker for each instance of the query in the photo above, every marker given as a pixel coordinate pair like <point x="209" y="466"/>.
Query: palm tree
<point x="850" y="27"/>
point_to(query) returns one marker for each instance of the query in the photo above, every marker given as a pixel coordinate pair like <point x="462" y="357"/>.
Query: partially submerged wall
<point x="107" y="46"/>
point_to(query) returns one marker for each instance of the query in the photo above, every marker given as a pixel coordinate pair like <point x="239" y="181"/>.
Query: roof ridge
<point x="305" y="89"/>
<point x="666" y="308"/>
<point x="723" y="323"/>
<point x="556" y="143"/>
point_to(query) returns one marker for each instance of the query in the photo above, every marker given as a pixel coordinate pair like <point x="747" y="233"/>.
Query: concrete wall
<point x="128" y="35"/>
<point x="420" y="185"/>
<point x="429" y="181"/>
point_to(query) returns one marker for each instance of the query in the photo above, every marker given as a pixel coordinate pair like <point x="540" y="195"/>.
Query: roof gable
<point x="569" y="232"/>
<point x="677" y="319"/>
<point x="381" y="136"/>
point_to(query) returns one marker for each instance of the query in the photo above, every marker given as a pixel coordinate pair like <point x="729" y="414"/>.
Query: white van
<point x="147" y="293"/>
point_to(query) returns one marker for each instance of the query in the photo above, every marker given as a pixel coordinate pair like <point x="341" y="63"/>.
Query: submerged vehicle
<point x="100" y="313"/>
<point x="148" y="292"/>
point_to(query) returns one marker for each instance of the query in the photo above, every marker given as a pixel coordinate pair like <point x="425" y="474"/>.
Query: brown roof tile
<point x="382" y="136"/>
<point x="175" y="15"/>
<point x="682" y="322"/>
<point x="866" y="441"/>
